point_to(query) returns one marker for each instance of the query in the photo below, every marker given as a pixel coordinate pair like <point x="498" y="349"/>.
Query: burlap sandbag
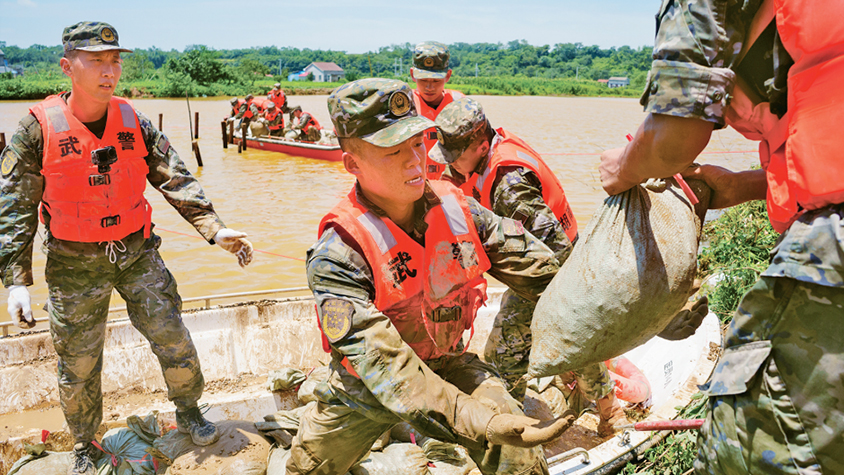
<point x="240" y="442"/>
<point x="629" y="274"/>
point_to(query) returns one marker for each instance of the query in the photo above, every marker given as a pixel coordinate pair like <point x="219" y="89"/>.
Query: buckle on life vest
<point x="432" y="135"/>
<point x="98" y="180"/>
<point x="103" y="158"/>
<point x="446" y="314"/>
<point x="110" y="221"/>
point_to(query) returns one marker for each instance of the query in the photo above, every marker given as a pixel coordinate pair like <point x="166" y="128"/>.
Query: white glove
<point x="20" y="306"/>
<point x="236" y="243"/>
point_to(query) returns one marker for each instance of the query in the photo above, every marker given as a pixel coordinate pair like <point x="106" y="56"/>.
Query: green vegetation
<point x="515" y="68"/>
<point x="739" y="242"/>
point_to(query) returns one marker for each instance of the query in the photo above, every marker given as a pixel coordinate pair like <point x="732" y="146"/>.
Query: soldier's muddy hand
<point x="20" y="306"/>
<point x="687" y="321"/>
<point x="236" y="243"/>
<point x="523" y="431"/>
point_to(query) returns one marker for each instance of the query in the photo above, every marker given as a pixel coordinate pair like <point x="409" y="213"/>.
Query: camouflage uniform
<point x="776" y="398"/>
<point x="80" y="276"/>
<point x="394" y="384"/>
<point x="296" y="125"/>
<point x="517" y="194"/>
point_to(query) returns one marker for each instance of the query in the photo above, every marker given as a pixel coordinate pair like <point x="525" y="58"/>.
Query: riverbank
<point x="39" y="87"/>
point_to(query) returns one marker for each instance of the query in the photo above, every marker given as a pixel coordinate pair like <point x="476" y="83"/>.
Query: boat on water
<point x="330" y="152"/>
<point x="240" y="344"/>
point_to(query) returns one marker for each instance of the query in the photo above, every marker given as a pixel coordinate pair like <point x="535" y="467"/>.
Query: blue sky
<point x="354" y="27"/>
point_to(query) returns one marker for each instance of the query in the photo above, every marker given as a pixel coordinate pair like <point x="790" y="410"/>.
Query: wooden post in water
<point x="240" y="146"/>
<point x="231" y="132"/>
<point x="243" y="135"/>
<point x="195" y="146"/>
<point x="223" y="131"/>
<point x="2" y="140"/>
<point x="160" y="122"/>
<point x="196" y="125"/>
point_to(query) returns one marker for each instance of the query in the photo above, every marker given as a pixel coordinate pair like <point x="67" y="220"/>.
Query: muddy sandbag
<point x="286" y="419"/>
<point x="306" y="390"/>
<point x="47" y="463"/>
<point x="126" y="454"/>
<point x="244" y="467"/>
<point x="277" y="461"/>
<point x="240" y="442"/>
<point x="258" y="128"/>
<point x="629" y="274"/>
<point x="395" y="459"/>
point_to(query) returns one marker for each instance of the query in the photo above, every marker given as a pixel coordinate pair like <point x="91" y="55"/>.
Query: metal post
<point x="196" y="125"/>
<point x="160" y="122"/>
<point x="225" y="138"/>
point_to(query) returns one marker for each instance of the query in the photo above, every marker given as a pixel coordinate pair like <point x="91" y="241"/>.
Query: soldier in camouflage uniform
<point x="469" y="146"/>
<point x="81" y="275"/>
<point x="377" y="377"/>
<point x="246" y="112"/>
<point x="303" y="126"/>
<point x="776" y="397"/>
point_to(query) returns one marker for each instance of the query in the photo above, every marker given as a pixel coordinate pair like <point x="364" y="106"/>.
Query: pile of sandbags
<point x="629" y="274"/>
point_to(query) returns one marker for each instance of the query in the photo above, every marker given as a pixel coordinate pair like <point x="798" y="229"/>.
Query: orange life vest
<point x="312" y="122"/>
<point x="278" y="98"/>
<point x="800" y="152"/>
<point x="87" y="203"/>
<point x="433" y="293"/>
<point x="248" y="114"/>
<point x="513" y="151"/>
<point x="434" y="169"/>
<point x="271" y="115"/>
<point x="236" y="107"/>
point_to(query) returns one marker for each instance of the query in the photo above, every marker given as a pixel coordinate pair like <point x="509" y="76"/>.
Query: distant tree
<point x="310" y="76"/>
<point x="201" y="65"/>
<point x="137" y="66"/>
<point x="252" y="69"/>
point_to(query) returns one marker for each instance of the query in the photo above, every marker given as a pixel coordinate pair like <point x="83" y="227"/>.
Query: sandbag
<point x="396" y="459"/>
<point x="48" y="463"/>
<point x="240" y="442"/>
<point x="284" y="379"/>
<point x="126" y="454"/>
<point x="258" y="129"/>
<point x="629" y="274"/>
<point x="277" y="461"/>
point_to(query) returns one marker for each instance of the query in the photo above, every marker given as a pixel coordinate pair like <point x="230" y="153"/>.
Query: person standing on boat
<point x="273" y="119"/>
<point x="397" y="274"/>
<point x="772" y="70"/>
<point x="303" y="126"/>
<point x="80" y="162"/>
<point x="277" y="96"/>
<point x="508" y="177"/>
<point x="430" y="72"/>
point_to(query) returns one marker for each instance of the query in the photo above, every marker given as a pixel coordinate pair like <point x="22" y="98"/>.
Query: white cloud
<point x="27" y="3"/>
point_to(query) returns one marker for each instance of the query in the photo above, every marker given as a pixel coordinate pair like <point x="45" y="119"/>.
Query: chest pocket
<point x="737" y="367"/>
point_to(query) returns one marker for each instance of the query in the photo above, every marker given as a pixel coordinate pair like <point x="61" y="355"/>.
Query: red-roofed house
<point x="324" y="72"/>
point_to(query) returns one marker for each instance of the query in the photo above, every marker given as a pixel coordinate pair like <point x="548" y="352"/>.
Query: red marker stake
<point x="680" y="181"/>
<point x="677" y="424"/>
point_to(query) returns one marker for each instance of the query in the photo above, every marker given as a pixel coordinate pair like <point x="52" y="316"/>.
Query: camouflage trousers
<point x="508" y="349"/>
<point x="312" y="135"/>
<point x="333" y="436"/>
<point x="776" y="398"/>
<point x="79" y="292"/>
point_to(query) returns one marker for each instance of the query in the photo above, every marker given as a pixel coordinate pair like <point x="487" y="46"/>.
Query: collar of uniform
<point x="421" y="207"/>
<point x="493" y="144"/>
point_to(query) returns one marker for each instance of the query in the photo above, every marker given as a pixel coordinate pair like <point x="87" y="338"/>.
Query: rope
<point x="253" y="249"/>
<point x="112" y="248"/>
<point x="702" y="153"/>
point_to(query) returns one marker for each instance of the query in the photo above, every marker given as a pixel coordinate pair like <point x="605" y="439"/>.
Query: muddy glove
<point x="236" y="243"/>
<point x="687" y="321"/>
<point x="523" y="431"/>
<point x="20" y="307"/>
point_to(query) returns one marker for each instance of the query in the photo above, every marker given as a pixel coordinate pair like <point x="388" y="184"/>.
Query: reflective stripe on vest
<point x="93" y="197"/>
<point x="513" y="151"/>
<point x="429" y="313"/>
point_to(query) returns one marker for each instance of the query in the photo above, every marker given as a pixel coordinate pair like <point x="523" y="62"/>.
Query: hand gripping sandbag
<point x="629" y="274"/>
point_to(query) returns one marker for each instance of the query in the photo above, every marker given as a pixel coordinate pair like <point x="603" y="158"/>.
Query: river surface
<point x="278" y="200"/>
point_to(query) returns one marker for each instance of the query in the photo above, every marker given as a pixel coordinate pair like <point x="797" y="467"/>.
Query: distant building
<point x="618" y="82"/>
<point x="300" y="76"/>
<point x="4" y="65"/>
<point x="603" y="81"/>
<point x="324" y="72"/>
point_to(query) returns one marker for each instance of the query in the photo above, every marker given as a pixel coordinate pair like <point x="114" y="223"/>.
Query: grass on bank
<point x="170" y="85"/>
<point x="737" y="252"/>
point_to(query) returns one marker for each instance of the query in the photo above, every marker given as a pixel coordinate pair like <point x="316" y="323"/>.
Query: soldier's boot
<point x="201" y="430"/>
<point x="611" y="414"/>
<point x="82" y="460"/>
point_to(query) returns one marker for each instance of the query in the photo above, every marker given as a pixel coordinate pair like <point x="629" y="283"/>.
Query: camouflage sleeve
<point x="389" y="369"/>
<point x="519" y="259"/>
<point x="168" y="174"/>
<point x="21" y="187"/>
<point x="241" y="111"/>
<point x="697" y="43"/>
<point x="279" y="119"/>
<point x="517" y="194"/>
<point x="301" y="121"/>
<point x="255" y="111"/>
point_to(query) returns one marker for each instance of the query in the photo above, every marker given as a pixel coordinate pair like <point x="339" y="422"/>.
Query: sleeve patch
<point x="512" y="227"/>
<point x="8" y="164"/>
<point x="163" y="145"/>
<point x="336" y="318"/>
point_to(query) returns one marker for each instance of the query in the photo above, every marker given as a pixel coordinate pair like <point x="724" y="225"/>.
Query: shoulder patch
<point x="511" y="227"/>
<point x="163" y="145"/>
<point x="8" y="164"/>
<point x="336" y="318"/>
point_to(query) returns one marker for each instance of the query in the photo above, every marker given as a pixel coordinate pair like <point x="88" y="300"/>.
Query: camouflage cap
<point x="379" y="111"/>
<point x="277" y="85"/>
<point x="233" y="101"/>
<point x="270" y="105"/>
<point x="91" y="36"/>
<point x="457" y="126"/>
<point x="430" y="60"/>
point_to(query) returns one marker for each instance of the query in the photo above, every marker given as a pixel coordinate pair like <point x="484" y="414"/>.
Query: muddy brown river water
<point x="278" y="199"/>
